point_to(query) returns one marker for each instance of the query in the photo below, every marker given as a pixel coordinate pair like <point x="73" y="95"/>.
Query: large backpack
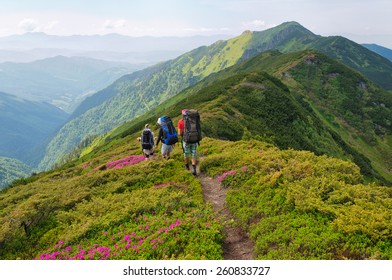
<point x="169" y="131"/>
<point x="147" y="139"/>
<point x="192" y="128"/>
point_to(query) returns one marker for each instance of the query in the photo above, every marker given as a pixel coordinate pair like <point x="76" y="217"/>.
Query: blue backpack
<point x="169" y="131"/>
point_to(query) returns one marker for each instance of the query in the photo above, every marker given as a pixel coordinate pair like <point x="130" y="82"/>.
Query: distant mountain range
<point x="112" y="47"/>
<point x="385" y="52"/>
<point x="62" y="81"/>
<point x="134" y="94"/>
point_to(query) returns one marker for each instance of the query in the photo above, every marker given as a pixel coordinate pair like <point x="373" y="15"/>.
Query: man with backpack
<point x="147" y="141"/>
<point x="167" y="135"/>
<point x="190" y="130"/>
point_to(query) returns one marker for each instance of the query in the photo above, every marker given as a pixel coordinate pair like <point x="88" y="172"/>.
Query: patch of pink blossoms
<point x="120" y="163"/>
<point x="227" y="173"/>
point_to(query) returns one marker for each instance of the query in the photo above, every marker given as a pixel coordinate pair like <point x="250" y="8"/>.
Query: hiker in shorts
<point x="147" y="141"/>
<point x="167" y="135"/>
<point x="190" y="145"/>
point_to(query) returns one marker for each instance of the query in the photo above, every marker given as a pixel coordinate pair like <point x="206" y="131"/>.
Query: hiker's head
<point x="147" y="125"/>
<point x="159" y="121"/>
<point x="183" y="112"/>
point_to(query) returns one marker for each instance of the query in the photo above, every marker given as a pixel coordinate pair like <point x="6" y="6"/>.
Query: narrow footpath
<point x="237" y="245"/>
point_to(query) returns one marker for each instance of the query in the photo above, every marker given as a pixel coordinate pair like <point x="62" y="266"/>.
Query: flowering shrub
<point x="120" y="163"/>
<point x="87" y="165"/>
<point x="149" y="236"/>
<point x="233" y="178"/>
<point x="225" y="174"/>
<point x="296" y="205"/>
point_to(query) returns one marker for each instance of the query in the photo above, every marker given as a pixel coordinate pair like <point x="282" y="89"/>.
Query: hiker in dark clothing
<point x="147" y="141"/>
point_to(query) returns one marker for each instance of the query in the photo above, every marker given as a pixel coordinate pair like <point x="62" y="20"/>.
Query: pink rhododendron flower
<point x="225" y="174"/>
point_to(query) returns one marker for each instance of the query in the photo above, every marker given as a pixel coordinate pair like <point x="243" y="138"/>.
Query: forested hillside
<point x="11" y="169"/>
<point x="26" y="127"/>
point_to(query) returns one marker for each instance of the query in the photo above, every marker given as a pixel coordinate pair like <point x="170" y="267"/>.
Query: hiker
<point x="190" y="131"/>
<point x="147" y="141"/>
<point x="167" y="135"/>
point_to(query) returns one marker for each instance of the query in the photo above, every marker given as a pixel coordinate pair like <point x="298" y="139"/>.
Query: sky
<point x="363" y="21"/>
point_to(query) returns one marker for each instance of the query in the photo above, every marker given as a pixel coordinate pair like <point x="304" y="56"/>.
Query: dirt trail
<point x="237" y="245"/>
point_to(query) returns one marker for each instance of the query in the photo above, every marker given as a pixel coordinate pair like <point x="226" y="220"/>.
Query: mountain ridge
<point x="143" y="86"/>
<point x="386" y="52"/>
<point x="319" y="128"/>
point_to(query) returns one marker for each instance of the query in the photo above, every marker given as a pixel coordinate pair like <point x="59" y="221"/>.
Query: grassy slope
<point x="152" y="210"/>
<point x="295" y="205"/>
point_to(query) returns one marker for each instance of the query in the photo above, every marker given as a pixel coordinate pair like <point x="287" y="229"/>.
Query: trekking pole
<point x="182" y="146"/>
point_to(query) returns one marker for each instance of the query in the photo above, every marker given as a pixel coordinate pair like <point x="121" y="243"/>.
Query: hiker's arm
<point x="159" y="136"/>
<point x="180" y="128"/>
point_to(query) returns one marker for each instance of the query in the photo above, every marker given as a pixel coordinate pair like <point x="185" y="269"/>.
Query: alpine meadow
<point x="296" y="136"/>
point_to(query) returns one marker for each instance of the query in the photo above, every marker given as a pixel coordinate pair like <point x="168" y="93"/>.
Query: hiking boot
<point x="194" y="169"/>
<point x="187" y="166"/>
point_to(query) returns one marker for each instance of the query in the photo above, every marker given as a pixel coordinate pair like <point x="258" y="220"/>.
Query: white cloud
<point x="254" y="25"/>
<point x="51" y="25"/>
<point x="29" y="24"/>
<point x="115" y="24"/>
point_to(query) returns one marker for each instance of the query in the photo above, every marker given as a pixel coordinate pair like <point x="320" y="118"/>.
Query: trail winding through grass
<point x="237" y="245"/>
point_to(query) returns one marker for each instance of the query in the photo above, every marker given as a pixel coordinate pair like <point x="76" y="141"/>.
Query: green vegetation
<point x="113" y="204"/>
<point x="306" y="105"/>
<point x="102" y="209"/>
<point x="301" y="142"/>
<point x="296" y="205"/>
